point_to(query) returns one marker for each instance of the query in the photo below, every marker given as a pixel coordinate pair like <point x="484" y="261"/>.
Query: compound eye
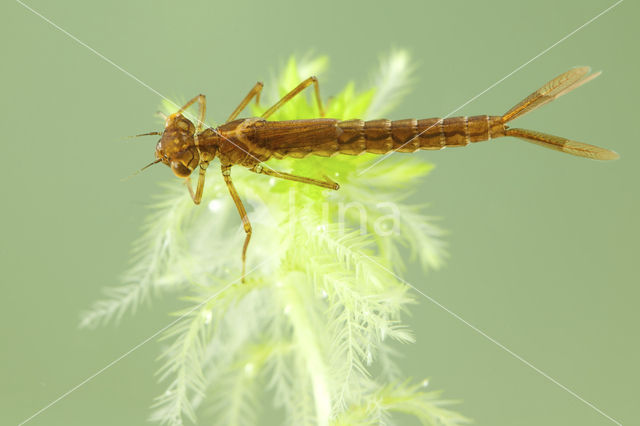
<point x="179" y="169"/>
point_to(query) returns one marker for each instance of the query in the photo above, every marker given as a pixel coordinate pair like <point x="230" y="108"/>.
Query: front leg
<point x="197" y="196"/>
<point x="226" y="174"/>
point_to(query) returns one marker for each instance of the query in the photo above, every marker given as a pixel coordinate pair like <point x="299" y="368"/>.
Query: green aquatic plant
<point x="315" y="326"/>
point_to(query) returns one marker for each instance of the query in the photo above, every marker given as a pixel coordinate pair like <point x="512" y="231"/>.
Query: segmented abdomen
<point x="327" y="137"/>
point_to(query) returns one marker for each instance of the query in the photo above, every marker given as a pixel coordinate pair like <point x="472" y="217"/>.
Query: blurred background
<point x="543" y="246"/>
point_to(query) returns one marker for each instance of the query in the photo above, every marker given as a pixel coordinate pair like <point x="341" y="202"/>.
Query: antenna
<point x="145" y="167"/>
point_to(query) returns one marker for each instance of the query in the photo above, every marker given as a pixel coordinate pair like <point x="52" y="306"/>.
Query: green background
<point x="543" y="246"/>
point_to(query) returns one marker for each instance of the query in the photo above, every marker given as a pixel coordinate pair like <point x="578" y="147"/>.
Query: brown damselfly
<point x="249" y="142"/>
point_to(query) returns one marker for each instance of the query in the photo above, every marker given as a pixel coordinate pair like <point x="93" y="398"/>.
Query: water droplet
<point x="287" y="309"/>
<point x="324" y="294"/>
<point x="425" y="383"/>
<point x="207" y="315"/>
<point x="272" y="181"/>
<point x="321" y="228"/>
<point x="215" y="205"/>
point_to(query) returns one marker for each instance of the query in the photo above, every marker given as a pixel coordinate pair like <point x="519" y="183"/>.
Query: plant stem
<point x="305" y="333"/>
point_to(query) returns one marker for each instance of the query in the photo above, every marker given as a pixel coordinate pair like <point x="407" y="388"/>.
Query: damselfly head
<point x="176" y="148"/>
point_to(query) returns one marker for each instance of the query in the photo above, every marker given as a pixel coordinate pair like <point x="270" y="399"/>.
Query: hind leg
<point x="286" y="98"/>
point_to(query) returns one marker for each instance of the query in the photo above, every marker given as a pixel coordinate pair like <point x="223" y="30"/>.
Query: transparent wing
<point x="561" y="85"/>
<point x="564" y="145"/>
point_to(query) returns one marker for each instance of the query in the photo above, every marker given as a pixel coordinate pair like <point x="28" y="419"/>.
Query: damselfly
<point x="249" y="142"/>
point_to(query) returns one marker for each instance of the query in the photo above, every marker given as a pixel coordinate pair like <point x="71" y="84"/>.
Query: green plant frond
<point x="235" y="393"/>
<point x="183" y="366"/>
<point x="359" y="316"/>
<point x="401" y="398"/>
<point x="423" y="238"/>
<point x="398" y="169"/>
<point x="392" y="80"/>
<point x="320" y="313"/>
<point x="400" y="221"/>
<point x="386" y="362"/>
<point x="151" y="258"/>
